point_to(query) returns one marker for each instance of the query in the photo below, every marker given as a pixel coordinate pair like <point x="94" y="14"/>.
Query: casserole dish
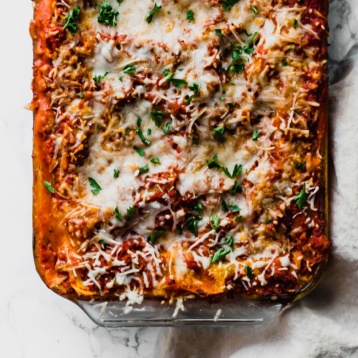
<point x="179" y="156"/>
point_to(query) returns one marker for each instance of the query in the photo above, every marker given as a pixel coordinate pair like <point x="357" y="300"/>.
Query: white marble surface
<point x="34" y="322"/>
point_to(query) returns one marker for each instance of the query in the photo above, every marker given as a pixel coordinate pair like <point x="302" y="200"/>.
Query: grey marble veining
<point x="34" y="322"/>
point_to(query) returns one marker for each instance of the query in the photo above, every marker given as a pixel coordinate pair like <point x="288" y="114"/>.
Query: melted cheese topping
<point x="185" y="153"/>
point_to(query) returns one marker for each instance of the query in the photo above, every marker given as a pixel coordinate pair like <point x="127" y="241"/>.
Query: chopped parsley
<point x="218" y="133"/>
<point x="129" y="69"/>
<point x="238" y="218"/>
<point x="213" y="163"/>
<point x="224" y="206"/>
<point x="220" y="255"/>
<point x="49" y="187"/>
<point x="157" y="117"/>
<point x="139" y="121"/>
<point x="102" y="243"/>
<point x="215" y="222"/>
<point x="149" y="131"/>
<point x="143" y="170"/>
<point x="121" y="78"/>
<point x="96" y="188"/>
<point x="230" y="241"/>
<point x="190" y="15"/>
<point x="294" y="23"/>
<point x="130" y="212"/>
<point x="168" y="75"/>
<point x="300" y="166"/>
<point x="218" y="32"/>
<point x="192" y="225"/>
<point x="107" y="15"/>
<point x="117" y="214"/>
<point x="196" y="89"/>
<point x="116" y="173"/>
<point x="236" y="171"/>
<point x="146" y="141"/>
<point x="197" y="208"/>
<point x="71" y="20"/>
<point x="255" y="134"/>
<point x="168" y="128"/>
<point x="228" y="4"/>
<point x="284" y="63"/>
<point x="234" y="208"/>
<point x="155" y="9"/>
<point x="248" y="272"/>
<point x="81" y="95"/>
<point x="254" y="10"/>
<point x="178" y="82"/>
<point x="139" y="151"/>
<point x="301" y="197"/>
<point x="155" y="160"/>
<point x="97" y="79"/>
<point x="155" y="235"/>
<point x="235" y="189"/>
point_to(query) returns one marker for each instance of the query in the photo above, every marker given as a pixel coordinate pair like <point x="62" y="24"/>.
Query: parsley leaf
<point x="248" y="272"/>
<point x="146" y="141"/>
<point x="294" y="23"/>
<point x="301" y="197"/>
<point x="190" y="15"/>
<point x="168" y="75"/>
<point x="107" y="15"/>
<point x="197" y="208"/>
<point x="228" y="4"/>
<point x="130" y="212"/>
<point x="235" y="189"/>
<point x="230" y="241"/>
<point x="255" y="134"/>
<point x="192" y="225"/>
<point x="149" y="18"/>
<point x="143" y="170"/>
<point x="71" y="20"/>
<point x="139" y="121"/>
<point x="213" y="163"/>
<point x="157" y="117"/>
<point x="195" y="88"/>
<point x="224" y="206"/>
<point x="215" y="222"/>
<point x="97" y="79"/>
<point x="140" y="151"/>
<point x="116" y="173"/>
<point x="254" y="10"/>
<point x="129" y="69"/>
<point x="236" y="171"/>
<point x="168" y="128"/>
<point x="117" y="214"/>
<point x="155" y="160"/>
<point x="49" y="187"/>
<point x="218" y="134"/>
<point x="155" y="235"/>
<point x="218" y="32"/>
<point x="234" y="208"/>
<point x="178" y="82"/>
<point x="96" y="188"/>
<point x="220" y="255"/>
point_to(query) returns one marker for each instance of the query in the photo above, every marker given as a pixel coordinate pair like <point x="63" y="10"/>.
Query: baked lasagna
<point x="179" y="147"/>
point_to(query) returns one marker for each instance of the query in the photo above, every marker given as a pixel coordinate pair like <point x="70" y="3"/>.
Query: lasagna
<point x="179" y="147"/>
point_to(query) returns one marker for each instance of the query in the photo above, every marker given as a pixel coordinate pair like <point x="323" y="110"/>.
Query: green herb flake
<point x="117" y="214"/>
<point x="215" y="222"/>
<point x="192" y="225"/>
<point x="97" y="79"/>
<point x="220" y="255"/>
<point x="235" y="189"/>
<point x="168" y="75"/>
<point x="145" y="141"/>
<point x="71" y="20"/>
<point x="254" y="10"/>
<point x="121" y="78"/>
<point x="255" y="134"/>
<point x="300" y="166"/>
<point x="149" y="131"/>
<point x="236" y="171"/>
<point x="197" y="208"/>
<point x="49" y="187"/>
<point x="168" y="128"/>
<point x="143" y="170"/>
<point x="218" y="133"/>
<point x="190" y="15"/>
<point x="234" y="208"/>
<point x="155" y="9"/>
<point x="213" y="163"/>
<point x="228" y="4"/>
<point x="157" y="117"/>
<point x="140" y="151"/>
<point x="246" y="33"/>
<point x="301" y="197"/>
<point x="81" y="95"/>
<point x="248" y="272"/>
<point x="139" y="121"/>
<point x="155" y="235"/>
<point x="155" y="160"/>
<point x="294" y="23"/>
<point x="267" y="222"/>
<point x="116" y="173"/>
<point x="237" y="68"/>
<point x="130" y="212"/>
<point x="224" y="206"/>
<point x="129" y="69"/>
<point x="107" y="15"/>
<point x="238" y="218"/>
<point x="230" y="241"/>
<point x="102" y="243"/>
<point x="218" y="32"/>
<point x="96" y="188"/>
<point x="284" y="63"/>
<point x="178" y="82"/>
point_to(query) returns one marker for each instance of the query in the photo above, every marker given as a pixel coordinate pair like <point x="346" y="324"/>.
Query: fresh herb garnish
<point x="284" y="63"/>
<point x="248" y="272"/>
<point x="157" y="117"/>
<point x="238" y="218"/>
<point x="140" y="151"/>
<point x="224" y="206"/>
<point x="129" y="69"/>
<point x="192" y="225"/>
<point x="97" y="79"/>
<point x="139" y="121"/>
<point x="149" y="131"/>
<point x="168" y="75"/>
<point x="155" y="9"/>
<point x="96" y="188"/>
<point x="234" y="208"/>
<point x="121" y="78"/>
<point x="235" y="189"/>
<point x="117" y="214"/>
<point x="255" y="134"/>
<point x="155" y="235"/>
<point x="301" y="197"/>
<point x="190" y="15"/>
<point x="71" y="20"/>
<point x="49" y="187"/>
<point x="268" y="222"/>
<point x="107" y="15"/>
<point x="146" y="141"/>
<point x="300" y="166"/>
<point x="130" y="212"/>
<point x="246" y="33"/>
<point x="143" y="170"/>
<point x="230" y="241"/>
<point x="178" y="82"/>
<point x="195" y="88"/>
<point x="81" y="95"/>
<point x="197" y="208"/>
<point x="254" y="10"/>
<point x="215" y="222"/>
<point x="294" y="23"/>
<point x="155" y="160"/>
<point x="102" y="243"/>
<point x="218" y="32"/>
<point x="168" y="128"/>
<point x="236" y="171"/>
<point x="116" y="173"/>
<point x="218" y="133"/>
<point x="220" y="255"/>
<point x="213" y="163"/>
<point x="228" y="4"/>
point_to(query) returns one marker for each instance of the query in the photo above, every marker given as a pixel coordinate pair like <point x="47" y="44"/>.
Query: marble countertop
<point x="35" y="322"/>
